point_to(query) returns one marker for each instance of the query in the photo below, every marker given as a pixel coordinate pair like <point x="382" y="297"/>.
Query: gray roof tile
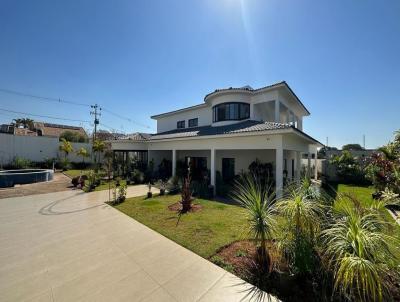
<point x="246" y="126"/>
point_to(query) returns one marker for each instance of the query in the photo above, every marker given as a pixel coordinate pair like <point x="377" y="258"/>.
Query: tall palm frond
<point x="260" y="206"/>
<point x="360" y="253"/>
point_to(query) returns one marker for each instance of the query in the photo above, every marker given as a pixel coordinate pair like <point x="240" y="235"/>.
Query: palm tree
<point x="303" y="209"/>
<point x="360" y="253"/>
<point x="25" y="122"/>
<point x="98" y="147"/>
<point x="83" y="153"/>
<point x="66" y="147"/>
<point x="260" y="206"/>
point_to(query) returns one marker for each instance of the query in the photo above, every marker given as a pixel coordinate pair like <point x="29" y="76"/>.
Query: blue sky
<point x="139" y="58"/>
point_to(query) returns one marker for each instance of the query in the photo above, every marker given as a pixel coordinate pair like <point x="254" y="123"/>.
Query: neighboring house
<point x="41" y="129"/>
<point x="47" y="129"/>
<point x="229" y="130"/>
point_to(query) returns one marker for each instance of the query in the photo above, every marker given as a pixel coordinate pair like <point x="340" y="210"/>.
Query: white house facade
<point x="228" y="131"/>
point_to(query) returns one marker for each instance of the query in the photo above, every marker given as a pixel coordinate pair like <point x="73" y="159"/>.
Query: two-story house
<point x="229" y="130"/>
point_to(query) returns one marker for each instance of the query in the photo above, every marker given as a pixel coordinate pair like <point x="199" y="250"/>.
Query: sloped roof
<point x="49" y="129"/>
<point x="246" y="126"/>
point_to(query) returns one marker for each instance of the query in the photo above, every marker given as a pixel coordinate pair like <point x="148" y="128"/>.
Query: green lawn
<point x="363" y="194"/>
<point x="73" y="173"/>
<point x="203" y="232"/>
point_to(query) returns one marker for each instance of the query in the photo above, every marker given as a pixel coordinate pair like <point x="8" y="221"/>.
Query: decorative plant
<point x="260" y="206"/>
<point x="362" y="254"/>
<point x="303" y="212"/>
<point x="348" y="168"/>
<point x="91" y="181"/>
<point x="122" y="193"/>
<point x="173" y="185"/>
<point x="65" y="147"/>
<point x="162" y="186"/>
<point x="186" y="195"/>
<point x="149" y="193"/>
<point x="82" y="152"/>
<point x="98" y="148"/>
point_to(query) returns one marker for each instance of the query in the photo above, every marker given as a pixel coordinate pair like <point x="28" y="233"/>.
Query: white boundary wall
<point x="35" y="148"/>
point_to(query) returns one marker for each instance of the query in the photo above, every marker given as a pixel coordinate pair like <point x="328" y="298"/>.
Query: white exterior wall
<point x="128" y="145"/>
<point x="290" y="111"/>
<point x="169" y="122"/>
<point x="35" y="148"/>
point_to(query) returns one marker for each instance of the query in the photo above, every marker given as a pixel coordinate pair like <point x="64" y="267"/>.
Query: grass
<point x="214" y="226"/>
<point x="75" y="172"/>
<point x="364" y="195"/>
<point x="203" y="232"/>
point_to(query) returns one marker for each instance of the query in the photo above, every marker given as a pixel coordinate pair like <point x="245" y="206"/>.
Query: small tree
<point x="66" y="147"/>
<point x="98" y="148"/>
<point x="356" y="147"/>
<point x="260" y="206"/>
<point x="82" y="152"/>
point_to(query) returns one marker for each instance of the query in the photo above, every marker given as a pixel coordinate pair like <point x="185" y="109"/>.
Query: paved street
<point x="70" y="246"/>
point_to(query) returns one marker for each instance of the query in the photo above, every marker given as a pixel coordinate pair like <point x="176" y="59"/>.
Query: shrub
<point x="303" y="211"/>
<point x="74" y="137"/>
<point x="260" y="207"/>
<point x="20" y="163"/>
<point x="173" y="185"/>
<point x="64" y="164"/>
<point x="361" y="253"/>
<point x="348" y="168"/>
<point x="137" y="176"/>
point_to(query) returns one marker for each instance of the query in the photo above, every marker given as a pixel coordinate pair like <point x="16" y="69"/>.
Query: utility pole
<point x="96" y="114"/>
<point x="327" y="142"/>
<point x="364" y="141"/>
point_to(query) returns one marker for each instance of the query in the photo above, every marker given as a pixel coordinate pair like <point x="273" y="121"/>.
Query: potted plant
<point x="122" y="193"/>
<point x="162" y="185"/>
<point x="149" y="193"/>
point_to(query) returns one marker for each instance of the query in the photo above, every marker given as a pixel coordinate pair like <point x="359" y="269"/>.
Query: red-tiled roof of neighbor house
<point x="49" y="129"/>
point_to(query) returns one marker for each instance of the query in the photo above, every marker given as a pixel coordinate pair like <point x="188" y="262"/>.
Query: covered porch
<point x="225" y="163"/>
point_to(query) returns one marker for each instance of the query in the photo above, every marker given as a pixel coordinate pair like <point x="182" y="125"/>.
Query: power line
<point x="45" y="116"/>
<point x="59" y="100"/>
<point x="43" y="98"/>
<point x="126" y="118"/>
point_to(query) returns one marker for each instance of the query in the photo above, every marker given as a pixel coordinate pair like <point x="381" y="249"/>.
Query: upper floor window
<point x="193" y="122"/>
<point x="180" y="124"/>
<point x="231" y="112"/>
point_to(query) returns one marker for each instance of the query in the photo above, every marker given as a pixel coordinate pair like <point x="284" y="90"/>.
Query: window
<point x="193" y="122"/>
<point x="231" y="112"/>
<point x="180" y="124"/>
<point x="228" y="169"/>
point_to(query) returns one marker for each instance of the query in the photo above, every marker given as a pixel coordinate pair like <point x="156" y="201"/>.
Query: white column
<point x="212" y="169"/>
<point x="277" y="111"/>
<point x="279" y="171"/>
<point x="298" y="165"/>
<point x="300" y="123"/>
<point x="308" y="164"/>
<point x="173" y="162"/>
<point x="316" y="167"/>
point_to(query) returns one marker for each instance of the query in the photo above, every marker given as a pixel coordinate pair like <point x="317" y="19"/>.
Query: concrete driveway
<point x="70" y="246"/>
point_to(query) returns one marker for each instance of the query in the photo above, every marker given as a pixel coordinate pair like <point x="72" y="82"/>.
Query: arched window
<point x="231" y="112"/>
